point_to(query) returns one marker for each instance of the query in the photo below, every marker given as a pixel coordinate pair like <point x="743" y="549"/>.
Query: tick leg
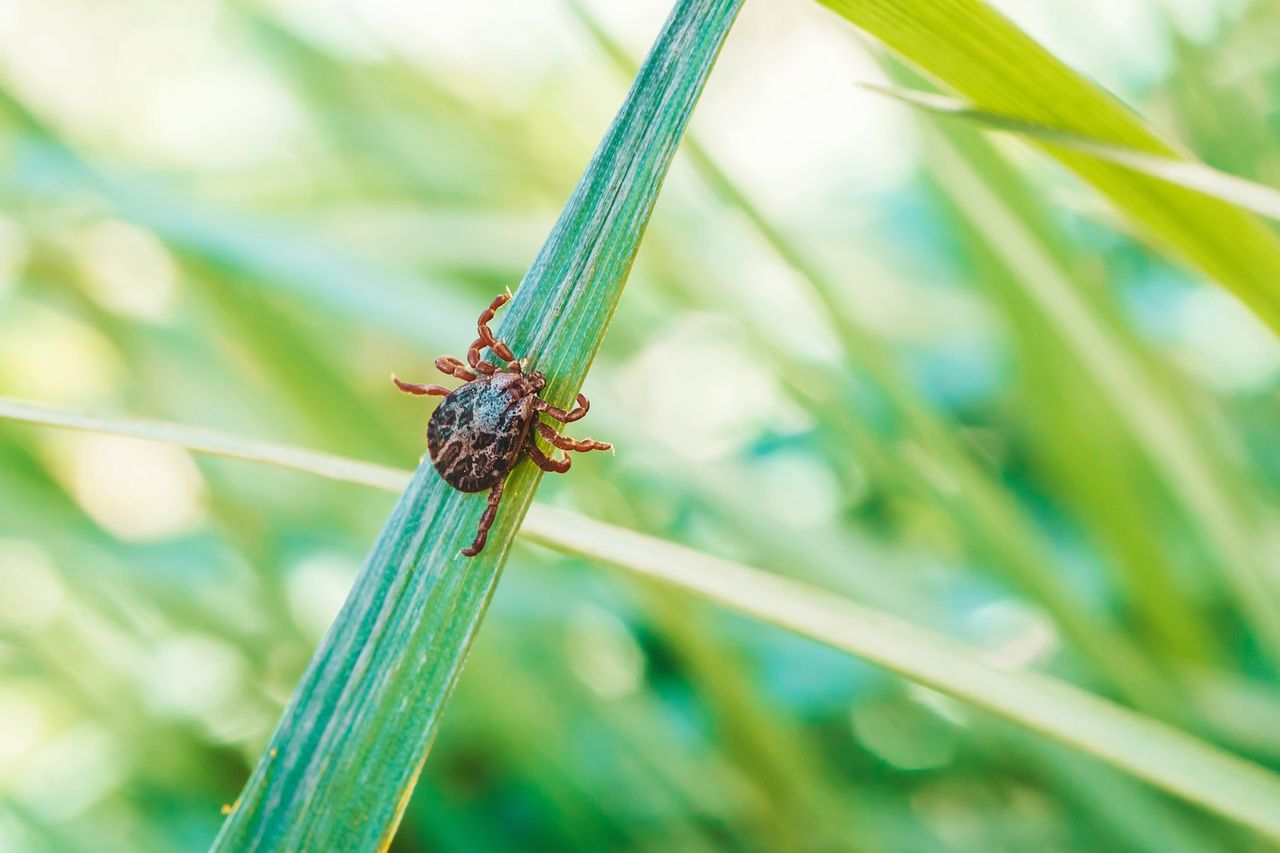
<point x="565" y="443"/>
<point x="450" y="366"/>
<point x="577" y="414"/>
<point x="473" y="358"/>
<point x="482" y="324"/>
<point x="542" y="460"/>
<point x="420" y="390"/>
<point x="486" y="339"/>
<point x="486" y="521"/>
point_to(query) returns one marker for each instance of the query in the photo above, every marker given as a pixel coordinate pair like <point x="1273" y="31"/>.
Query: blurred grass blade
<point x="1209" y="494"/>
<point x="247" y="246"/>
<point x="1149" y="750"/>
<point x="1187" y="173"/>
<point x="212" y="442"/>
<point x="973" y="49"/>
<point x="342" y="763"/>
<point x="979" y="505"/>
<point x="1158" y="753"/>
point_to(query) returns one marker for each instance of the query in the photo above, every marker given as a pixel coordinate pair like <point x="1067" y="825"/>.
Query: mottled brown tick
<point x="482" y="428"/>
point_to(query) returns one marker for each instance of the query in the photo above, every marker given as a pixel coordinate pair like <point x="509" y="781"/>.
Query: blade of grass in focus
<point x="1145" y="748"/>
<point x="339" y="769"/>
<point x="975" y="50"/>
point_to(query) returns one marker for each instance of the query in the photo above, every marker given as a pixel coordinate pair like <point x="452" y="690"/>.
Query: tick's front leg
<point x="450" y="366"/>
<point x="420" y="390"/>
<point x="486" y="521"/>
<point x="486" y="339"/>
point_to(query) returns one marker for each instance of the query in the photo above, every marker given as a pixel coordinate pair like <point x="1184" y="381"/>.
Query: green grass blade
<point x="1149" y="750"/>
<point x="1195" y="176"/>
<point x="1134" y="394"/>
<point x="212" y="442"/>
<point x="340" y="767"/>
<point x="977" y="52"/>
<point x="1158" y="753"/>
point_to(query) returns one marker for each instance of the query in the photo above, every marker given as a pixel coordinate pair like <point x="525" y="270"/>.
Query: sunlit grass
<point x="910" y="365"/>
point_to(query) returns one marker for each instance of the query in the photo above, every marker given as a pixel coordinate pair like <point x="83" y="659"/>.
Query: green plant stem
<point x="340" y="767"/>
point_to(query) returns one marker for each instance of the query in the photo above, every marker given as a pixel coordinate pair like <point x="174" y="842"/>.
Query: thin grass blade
<point x="1157" y="753"/>
<point x="1190" y="174"/>
<point x="340" y="767"/>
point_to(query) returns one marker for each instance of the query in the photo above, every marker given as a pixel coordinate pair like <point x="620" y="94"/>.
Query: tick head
<point x="536" y="380"/>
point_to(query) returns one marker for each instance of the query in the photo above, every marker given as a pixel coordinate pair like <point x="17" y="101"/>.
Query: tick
<point x="483" y="427"/>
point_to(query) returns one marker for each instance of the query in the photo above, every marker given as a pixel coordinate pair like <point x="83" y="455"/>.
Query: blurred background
<point x="834" y="361"/>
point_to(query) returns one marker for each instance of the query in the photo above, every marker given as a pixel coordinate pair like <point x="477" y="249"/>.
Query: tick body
<point x="476" y="434"/>
<point x="480" y="431"/>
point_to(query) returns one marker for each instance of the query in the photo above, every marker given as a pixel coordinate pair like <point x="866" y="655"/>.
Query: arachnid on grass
<point x="481" y="429"/>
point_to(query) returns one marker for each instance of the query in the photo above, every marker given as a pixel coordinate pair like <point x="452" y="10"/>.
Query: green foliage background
<point x="975" y="397"/>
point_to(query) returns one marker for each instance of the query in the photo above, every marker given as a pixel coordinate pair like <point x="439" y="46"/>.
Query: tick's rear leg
<point x="577" y="414"/>
<point x="542" y="460"/>
<point x="486" y="521"/>
<point x="565" y="443"/>
<point x="420" y="390"/>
